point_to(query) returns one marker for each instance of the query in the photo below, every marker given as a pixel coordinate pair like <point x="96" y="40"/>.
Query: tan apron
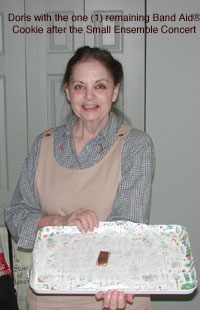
<point x="61" y="190"/>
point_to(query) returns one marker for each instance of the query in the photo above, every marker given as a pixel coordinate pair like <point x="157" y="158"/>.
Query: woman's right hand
<point x="83" y="219"/>
<point x="114" y="300"/>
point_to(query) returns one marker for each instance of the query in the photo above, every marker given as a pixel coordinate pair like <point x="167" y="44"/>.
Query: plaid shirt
<point x="132" y="202"/>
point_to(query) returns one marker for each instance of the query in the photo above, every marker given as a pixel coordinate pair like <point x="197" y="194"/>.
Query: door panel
<point x="127" y="48"/>
<point x="13" y="118"/>
<point x="47" y="56"/>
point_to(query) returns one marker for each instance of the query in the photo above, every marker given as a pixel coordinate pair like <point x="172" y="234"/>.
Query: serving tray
<point x="144" y="259"/>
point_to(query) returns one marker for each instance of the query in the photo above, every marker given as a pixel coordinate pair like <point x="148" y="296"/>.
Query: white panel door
<point x="47" y="56"/>
<point x="13" y="118"/>
<point x="128" y="48"/>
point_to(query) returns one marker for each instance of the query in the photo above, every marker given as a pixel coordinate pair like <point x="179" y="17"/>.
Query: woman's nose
<point x="89" y="93"/>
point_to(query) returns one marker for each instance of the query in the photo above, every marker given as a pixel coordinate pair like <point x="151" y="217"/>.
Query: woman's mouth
<point x="90" y="107"/>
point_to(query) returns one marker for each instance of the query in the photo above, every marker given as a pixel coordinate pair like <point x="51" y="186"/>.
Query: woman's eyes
<point x="100" y="86"/>
<point x="82" y="87"/>
<point x="79" y="87"/>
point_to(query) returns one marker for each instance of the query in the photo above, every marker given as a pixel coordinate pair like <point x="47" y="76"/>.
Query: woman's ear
<point x="66" y="87"/>
<point x="115" y="92"/>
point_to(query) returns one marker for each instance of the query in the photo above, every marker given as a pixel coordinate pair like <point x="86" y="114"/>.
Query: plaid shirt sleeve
<point x="132" y="202"/>
<point x="23" y="214"/>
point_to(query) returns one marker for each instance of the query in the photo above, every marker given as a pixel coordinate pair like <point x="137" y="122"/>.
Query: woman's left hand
<point x="114" y="300"/>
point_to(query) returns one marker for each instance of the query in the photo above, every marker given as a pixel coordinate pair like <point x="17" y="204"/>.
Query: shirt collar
<point x="107" y="134"/>
<point x="110" y="130"/>
<point x="70" y="122"/>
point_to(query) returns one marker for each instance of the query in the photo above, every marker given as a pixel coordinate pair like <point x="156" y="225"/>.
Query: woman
<point x="92" y="169"/>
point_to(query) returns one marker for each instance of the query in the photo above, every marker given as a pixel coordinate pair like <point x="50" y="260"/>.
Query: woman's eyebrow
<point x="102" y="80"/>
<point x="77" y="81"/>
<point x="97" y="81"/>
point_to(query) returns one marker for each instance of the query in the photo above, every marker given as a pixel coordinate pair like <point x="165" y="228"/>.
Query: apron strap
<point x="123" y="131"/>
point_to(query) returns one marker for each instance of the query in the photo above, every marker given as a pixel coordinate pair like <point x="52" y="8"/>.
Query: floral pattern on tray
<point x="144" y="259"/>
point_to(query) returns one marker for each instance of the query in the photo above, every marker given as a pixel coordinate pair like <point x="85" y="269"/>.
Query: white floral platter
<point x="154" y="259"/>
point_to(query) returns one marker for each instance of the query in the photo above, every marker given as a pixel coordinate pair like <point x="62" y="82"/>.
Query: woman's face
<point x="91" y="91"/>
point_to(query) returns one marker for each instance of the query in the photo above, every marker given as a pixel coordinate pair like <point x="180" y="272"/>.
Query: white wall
<point x="173" y="111"/>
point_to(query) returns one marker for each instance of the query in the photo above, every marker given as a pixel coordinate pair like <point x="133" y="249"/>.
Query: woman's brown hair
<point x="86" y="53"/>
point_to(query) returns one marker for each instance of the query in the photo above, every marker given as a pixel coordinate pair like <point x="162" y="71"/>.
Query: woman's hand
<point x="114" y="300"/>
<point x="82" y="218"/>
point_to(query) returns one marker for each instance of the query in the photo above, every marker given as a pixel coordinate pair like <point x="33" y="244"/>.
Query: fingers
<point x="129" y="298"/>
<point x="121" y="300"/>
<point x="84" y="219"/>
<point x="99" y="295"/>
<point x="114" y="300"/>
<point x="78" y="224"/>
<point x="95" y="219"/>
<point x="107" y="298"/>
<point x="88" y="221"/>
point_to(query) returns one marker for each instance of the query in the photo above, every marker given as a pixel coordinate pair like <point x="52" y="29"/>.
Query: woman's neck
<point x="88" y="130"/>
<point x="84" y="132"/>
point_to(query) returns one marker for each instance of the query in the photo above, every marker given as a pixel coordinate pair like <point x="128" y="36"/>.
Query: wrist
<point x="49" y="220"/>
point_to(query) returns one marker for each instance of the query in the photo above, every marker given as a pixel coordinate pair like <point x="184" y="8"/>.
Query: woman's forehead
<point x="90" y="67"/>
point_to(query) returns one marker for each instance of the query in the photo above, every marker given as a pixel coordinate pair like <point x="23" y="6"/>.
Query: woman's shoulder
<point x="137" y="139"/>
<point x="137" y="146"/>
<point x="57" y="131"/>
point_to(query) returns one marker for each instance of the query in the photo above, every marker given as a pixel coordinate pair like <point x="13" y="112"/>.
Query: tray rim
<point x="73" y="229"/>
<point x="134" y="292"/>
